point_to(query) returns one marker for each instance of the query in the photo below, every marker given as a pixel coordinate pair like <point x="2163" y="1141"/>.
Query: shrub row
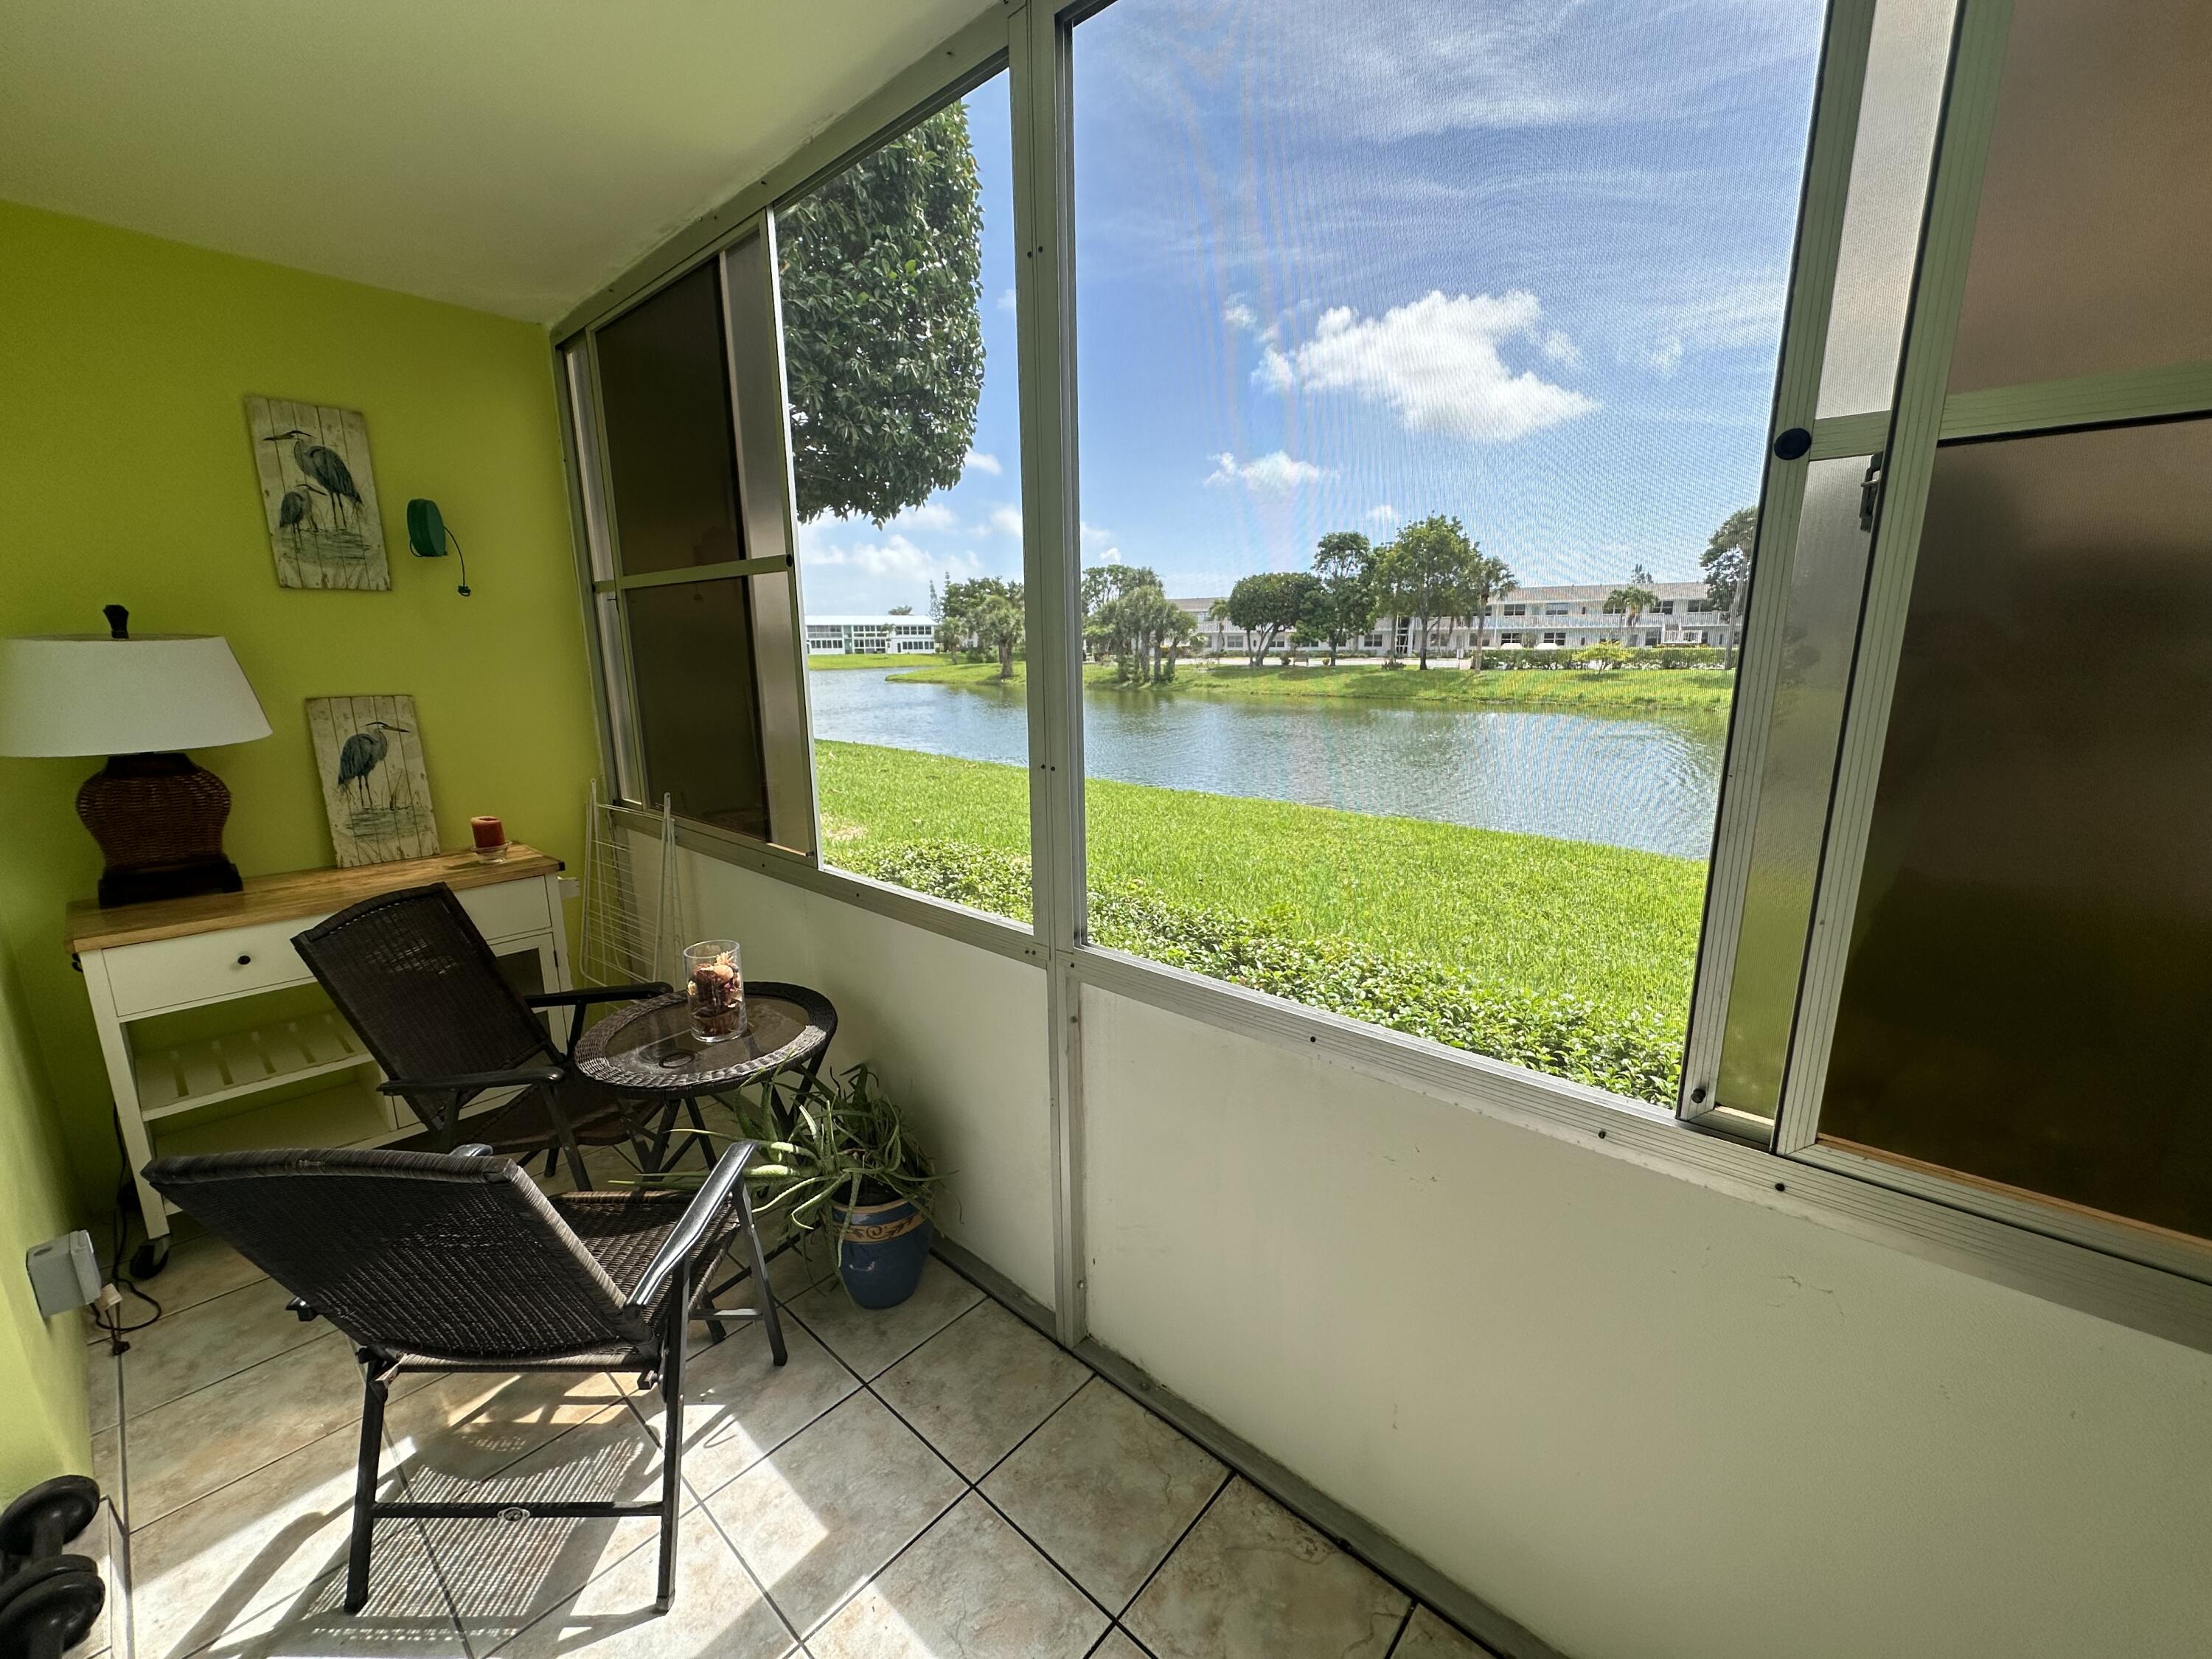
<point x="1608" y="656"/>
<point x="1635" y="1052"/>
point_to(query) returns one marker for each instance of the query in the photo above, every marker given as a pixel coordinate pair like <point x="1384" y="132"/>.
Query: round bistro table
<point x="648" y="1049"/>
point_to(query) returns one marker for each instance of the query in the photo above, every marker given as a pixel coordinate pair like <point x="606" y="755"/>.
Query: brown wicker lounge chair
<point x="457" y="1262"/>
<point x="415" y="978"/>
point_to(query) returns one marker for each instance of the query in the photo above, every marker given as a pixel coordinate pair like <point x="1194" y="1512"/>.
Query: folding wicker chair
<point x="457" y="1262"/>
<point x="415" y="978"/>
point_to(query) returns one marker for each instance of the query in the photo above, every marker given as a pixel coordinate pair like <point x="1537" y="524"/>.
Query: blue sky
<point x="1338" y="268"/>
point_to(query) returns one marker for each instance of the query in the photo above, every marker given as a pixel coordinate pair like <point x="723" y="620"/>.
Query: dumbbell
<point x="48" y="1600"/>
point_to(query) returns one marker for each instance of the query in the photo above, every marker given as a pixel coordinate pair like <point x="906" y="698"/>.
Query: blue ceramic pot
<point x="880" y="1250"/>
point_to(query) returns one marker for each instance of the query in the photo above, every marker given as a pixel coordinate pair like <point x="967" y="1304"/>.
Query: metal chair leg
<point x="759" y="1276"/>
<point x="671" y="1434"/>
<point x="364" y="1488"/>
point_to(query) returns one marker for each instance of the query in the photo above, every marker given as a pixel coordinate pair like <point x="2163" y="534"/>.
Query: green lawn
<point x="1692" y="690"/>
<point x="1617" y="927"/>
<point x="880" y="660"/>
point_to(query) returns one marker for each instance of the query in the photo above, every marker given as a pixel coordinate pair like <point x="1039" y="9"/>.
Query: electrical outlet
<point x="65" y="1273"/>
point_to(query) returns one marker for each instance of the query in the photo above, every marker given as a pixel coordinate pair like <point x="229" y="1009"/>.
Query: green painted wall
<point x="126" y="474"/>
<point x="42" y="1428"/>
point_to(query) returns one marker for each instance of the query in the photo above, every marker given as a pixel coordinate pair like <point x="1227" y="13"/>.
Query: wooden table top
<point x="294" y="893"/>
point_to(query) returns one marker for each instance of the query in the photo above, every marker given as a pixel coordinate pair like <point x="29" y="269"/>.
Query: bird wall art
<point x="320" y="495"/>
<point x="369" y="756"/>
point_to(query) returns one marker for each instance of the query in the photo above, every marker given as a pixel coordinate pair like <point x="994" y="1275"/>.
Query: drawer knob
<point x="244" y="958"/>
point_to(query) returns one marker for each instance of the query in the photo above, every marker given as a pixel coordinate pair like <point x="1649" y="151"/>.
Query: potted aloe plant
<point x="850" y="1163"/>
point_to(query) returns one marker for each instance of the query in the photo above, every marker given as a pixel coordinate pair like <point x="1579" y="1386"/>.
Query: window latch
<point x="1870" y="491"/>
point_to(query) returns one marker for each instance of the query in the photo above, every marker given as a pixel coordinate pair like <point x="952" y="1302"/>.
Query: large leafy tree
<point x="1267" y="607"/>
<point x="1726" y="564"/>
<point x="1145" y="629"/>
<point x="1425" y="572"/>
<point x="881" y="269"/>
<point x="1344" y="606"/>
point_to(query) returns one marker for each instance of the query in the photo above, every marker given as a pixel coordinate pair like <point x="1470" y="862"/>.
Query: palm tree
<point x="1218" y="614"/>
<point x="1631" y="602"/>
<point x="1489" y="579"/>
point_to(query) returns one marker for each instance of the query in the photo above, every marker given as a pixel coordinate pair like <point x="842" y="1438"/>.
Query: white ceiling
<point x="507" y="154"/>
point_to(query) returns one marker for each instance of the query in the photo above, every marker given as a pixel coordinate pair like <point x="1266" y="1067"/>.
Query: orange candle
<point x="489" y="832"/>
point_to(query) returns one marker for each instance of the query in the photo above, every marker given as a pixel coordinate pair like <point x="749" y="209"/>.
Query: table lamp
<point x="142" y="702"/>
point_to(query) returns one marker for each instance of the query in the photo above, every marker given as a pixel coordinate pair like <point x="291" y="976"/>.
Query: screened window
<point x="897" y="277"/>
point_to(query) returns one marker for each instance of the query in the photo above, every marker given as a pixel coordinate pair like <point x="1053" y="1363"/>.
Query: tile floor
<point x="937" y="1480"/>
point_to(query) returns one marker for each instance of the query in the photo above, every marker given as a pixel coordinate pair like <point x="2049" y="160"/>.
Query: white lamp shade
<point x="85" y="694"/>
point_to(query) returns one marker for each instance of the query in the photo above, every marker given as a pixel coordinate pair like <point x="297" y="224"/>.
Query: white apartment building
<point x="868" y="636"/>
<point x="1527" y="617"/>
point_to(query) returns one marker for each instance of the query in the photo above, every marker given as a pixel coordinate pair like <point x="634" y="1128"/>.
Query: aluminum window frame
<point x="1033" y="41"/>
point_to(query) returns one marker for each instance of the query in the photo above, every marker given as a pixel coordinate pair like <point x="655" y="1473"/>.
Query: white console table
<point x="144" y="963"/>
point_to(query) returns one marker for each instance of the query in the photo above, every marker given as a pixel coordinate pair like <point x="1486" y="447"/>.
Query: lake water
<point x="1649" y="782"/>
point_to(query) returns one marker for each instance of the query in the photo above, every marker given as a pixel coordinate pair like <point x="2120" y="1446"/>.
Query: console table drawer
<point x="502" y="909"/>
<point x="172" y="973"/>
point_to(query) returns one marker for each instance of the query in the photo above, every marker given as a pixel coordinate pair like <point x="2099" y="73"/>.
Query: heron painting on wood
<point x="320" y="495"/>
<point x="368" y="754"/>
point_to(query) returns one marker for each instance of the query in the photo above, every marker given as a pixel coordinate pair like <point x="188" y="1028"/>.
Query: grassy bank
<point x="1689" y="689"/>
<point x="879" y="660"/>
<point x="1606" y="923"/>
<point x="1567" y="957"/>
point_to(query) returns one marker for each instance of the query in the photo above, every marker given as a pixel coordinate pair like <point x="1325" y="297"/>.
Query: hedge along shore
<point x="1542" y="946"/>
<point x="1690" y="691"/>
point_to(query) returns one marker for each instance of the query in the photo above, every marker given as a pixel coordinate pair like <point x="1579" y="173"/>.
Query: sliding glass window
<point x="690" y="572"/>
<point x="1425" y="381"/>
<point x="897" y="280"/>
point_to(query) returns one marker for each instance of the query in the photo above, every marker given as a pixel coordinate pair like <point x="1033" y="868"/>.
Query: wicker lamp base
<point x="159" y="818"/>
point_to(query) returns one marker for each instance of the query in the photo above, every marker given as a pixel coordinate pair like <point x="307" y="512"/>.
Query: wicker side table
<point x="648" y="1049"/>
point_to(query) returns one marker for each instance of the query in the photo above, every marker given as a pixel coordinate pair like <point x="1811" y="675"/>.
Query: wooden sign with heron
<point x="368" y="757"/>
<point x="320" y="495"/>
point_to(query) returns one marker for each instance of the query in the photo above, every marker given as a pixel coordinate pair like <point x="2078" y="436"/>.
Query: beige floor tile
<point x="103" y="1396"/>
<point x="718" y="1609"/>
<point x="979" y="1385"/>
<point x="188" y="1448"/>
<point x="1428" y="1637"/>
<point x="504" y="1575"/>
<point x="209" y="1341"/>
<point x="102" y="1542"/>
<point x="407" y="1612"/>
<point x="199" y="1269"/>
<point x="739" y="1405"/>
<point x="821" y="1515"/>
<point x="466" y="1425"/>
<point x="871" y="1340"/>
<point x="1105" y="1488"/>
<point x="108" y="1468"/>
<point x="1117" y="1645"/>
<point x="203" y="1569"/>
<point x="1252" y="1580"/>
<point x="970" y="1588"/>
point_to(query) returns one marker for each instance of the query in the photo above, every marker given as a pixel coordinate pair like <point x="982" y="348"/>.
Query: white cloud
<point x="1664" y="358"/>
<point x="889" y="557"/>
<point x="1007" y="521"/>
<point x="1111" y="555"/>
<point x="1562" y="351"/>
<point x="1095" y="535"/>
<point x="1240" y="316"/>
<point x="1748" y="313"/>
<point x="1435" y="361"/>
<point x="930" y="515"/>
<point x="1382" y="512"/>
<point x="1006" y="301"/>
<point x="978" y="461"/>
<point x="1271" y="474"/>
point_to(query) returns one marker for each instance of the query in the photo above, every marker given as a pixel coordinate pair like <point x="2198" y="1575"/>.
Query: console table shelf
<point x="243" y="1063"/>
